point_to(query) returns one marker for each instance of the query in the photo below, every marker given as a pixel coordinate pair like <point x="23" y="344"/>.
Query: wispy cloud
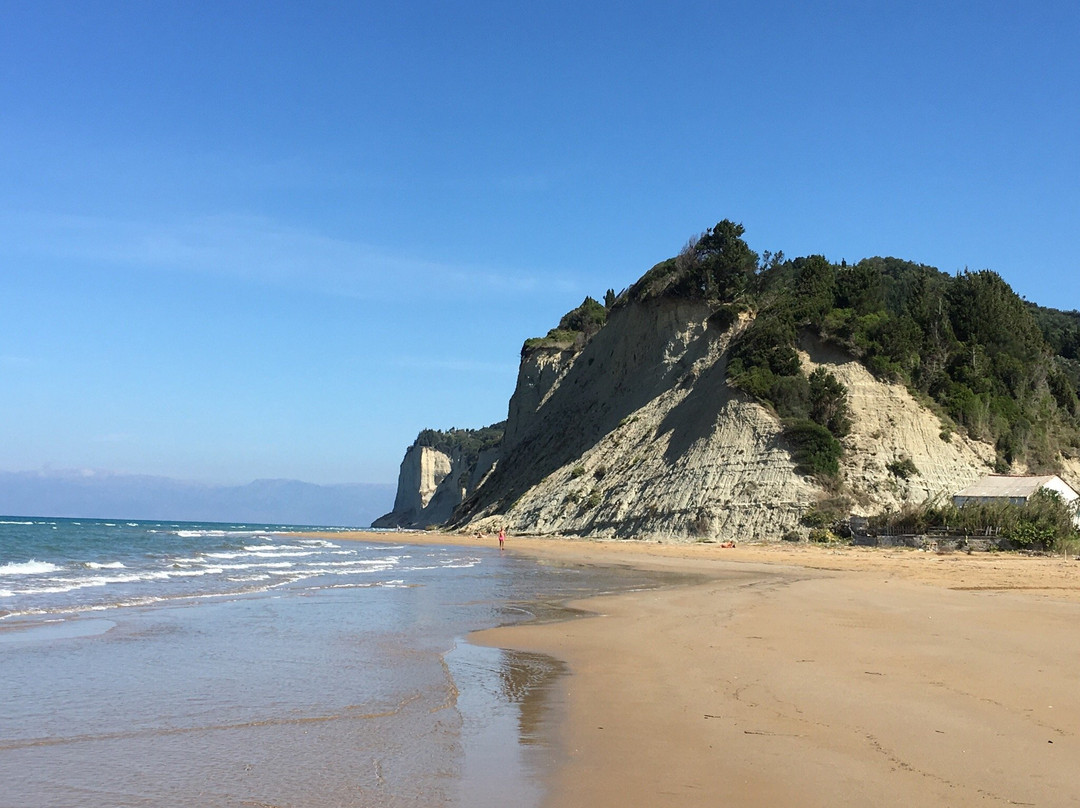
<point x="262" y="251"/>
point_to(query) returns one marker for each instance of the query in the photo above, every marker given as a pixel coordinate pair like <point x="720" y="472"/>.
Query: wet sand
<point x="815" y="676"/>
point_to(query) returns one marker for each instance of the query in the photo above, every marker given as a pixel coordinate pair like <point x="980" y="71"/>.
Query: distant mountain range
<point x="105" y="495"/>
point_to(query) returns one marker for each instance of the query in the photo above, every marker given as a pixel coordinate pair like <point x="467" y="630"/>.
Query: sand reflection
<point x="506" y="700"/>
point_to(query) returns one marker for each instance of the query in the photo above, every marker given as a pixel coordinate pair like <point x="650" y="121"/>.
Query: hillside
<point x="726" y="395"/>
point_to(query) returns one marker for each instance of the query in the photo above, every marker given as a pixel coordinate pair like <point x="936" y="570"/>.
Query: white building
<point x="1017" y="490"/>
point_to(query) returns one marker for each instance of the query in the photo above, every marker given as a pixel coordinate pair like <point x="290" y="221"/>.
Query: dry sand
<point x="816" y="676"/>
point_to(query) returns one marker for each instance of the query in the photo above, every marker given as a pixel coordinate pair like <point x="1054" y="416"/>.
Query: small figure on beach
<point x="502" y="537"/>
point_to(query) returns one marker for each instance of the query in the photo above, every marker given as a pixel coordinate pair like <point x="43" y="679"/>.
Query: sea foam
<point x="30" y="567"/>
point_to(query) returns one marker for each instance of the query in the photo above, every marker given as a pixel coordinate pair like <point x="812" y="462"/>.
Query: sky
<point x="245" y="240"/>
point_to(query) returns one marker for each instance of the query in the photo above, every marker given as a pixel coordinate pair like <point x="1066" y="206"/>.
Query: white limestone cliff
<point x="639" y="435"/>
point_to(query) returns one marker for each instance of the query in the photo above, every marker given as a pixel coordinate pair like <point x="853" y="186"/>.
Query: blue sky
<point x="269" y="239"/>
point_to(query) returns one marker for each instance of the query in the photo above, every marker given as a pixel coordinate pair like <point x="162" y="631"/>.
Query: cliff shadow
<point x="623" y="368"/>
<point x="694" y="418"/>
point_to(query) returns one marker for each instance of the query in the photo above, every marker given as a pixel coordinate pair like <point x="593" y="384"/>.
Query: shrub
<point x="815" y="518"/>
<point x="902" y="468"/>
<point x="814" y="449"/>
<point x="588" y="318"/>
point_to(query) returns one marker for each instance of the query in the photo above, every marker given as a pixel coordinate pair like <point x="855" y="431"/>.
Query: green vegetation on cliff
<point x="469" y="442"/>
<point x="575" y="328"/>
<point x="1001" y="369"/>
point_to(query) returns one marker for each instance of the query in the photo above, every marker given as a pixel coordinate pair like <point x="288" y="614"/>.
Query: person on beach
<point x="502" y="537"/>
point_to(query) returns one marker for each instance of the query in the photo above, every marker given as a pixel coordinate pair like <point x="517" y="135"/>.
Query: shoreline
<point x="811" y="675"/>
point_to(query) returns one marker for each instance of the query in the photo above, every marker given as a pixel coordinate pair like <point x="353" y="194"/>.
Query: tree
<point x="828" y="402"/>
<point x="815" y="288"/>
<point x="728" y="262"/>
<point x="588" y="318"/>
<point x="815" y="450"/>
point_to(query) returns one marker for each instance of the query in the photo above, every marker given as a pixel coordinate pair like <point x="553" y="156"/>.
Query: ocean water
<point x="173" y="664"/>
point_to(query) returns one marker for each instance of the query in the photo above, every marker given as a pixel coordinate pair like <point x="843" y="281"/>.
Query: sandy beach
<point x="814" y="676"/>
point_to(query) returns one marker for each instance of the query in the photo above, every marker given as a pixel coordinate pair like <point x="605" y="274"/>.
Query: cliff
<point x="434" y="479"/>
<point x="641" y="435"/>
<point x="719" y="398"/>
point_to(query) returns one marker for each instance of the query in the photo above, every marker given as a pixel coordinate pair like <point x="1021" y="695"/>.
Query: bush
<point x="816" y="518"/>
<point x="814" y="449"/>
<point x="588" y="318"/>
<point x="902" y="468"/>
<point x="1045" y="522"/>
<point x="556" y="339"/>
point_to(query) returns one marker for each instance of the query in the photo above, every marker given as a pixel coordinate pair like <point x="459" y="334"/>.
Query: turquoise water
<point x="153" y="664"/>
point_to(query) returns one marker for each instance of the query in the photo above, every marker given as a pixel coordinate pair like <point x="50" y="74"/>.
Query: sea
<point x="190" y="664"/>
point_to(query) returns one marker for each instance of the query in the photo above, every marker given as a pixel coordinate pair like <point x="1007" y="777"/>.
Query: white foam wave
<point x="265" y="565"/>
<point x="257" y="554"/>
<point x="112" y="565"/>
<point x="218" y="533"/>
<point x="327" y="570"/>
<point x="265" y="548"/>
<point x="12" y="522"/>
<point x="30" y="567"/>
<point x="59" y="586"/>
<point x="6" y="593"/>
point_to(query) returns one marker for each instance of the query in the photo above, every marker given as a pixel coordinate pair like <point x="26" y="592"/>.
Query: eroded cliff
<point x="640" y="435"/>
<point x="722" y="397"/>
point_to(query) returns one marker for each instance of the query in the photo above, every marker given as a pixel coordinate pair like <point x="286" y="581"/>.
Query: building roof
<point x="1005" y="486"/>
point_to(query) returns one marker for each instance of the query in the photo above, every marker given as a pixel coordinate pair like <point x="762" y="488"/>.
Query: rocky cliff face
<point x="889" y="427"/>
<point x="432" y="484"/>
<point x="639" y="435"/>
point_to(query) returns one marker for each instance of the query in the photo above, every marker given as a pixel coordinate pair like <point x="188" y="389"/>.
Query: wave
<point x="30" y="567"/>
<point x="261" y="554"/>
<point x="58" y="586"/>
<point x="147" y="600"/>
<point x="112" y="565"/>
<point x="217" y="533"/>
<point x="11" y="522"/>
